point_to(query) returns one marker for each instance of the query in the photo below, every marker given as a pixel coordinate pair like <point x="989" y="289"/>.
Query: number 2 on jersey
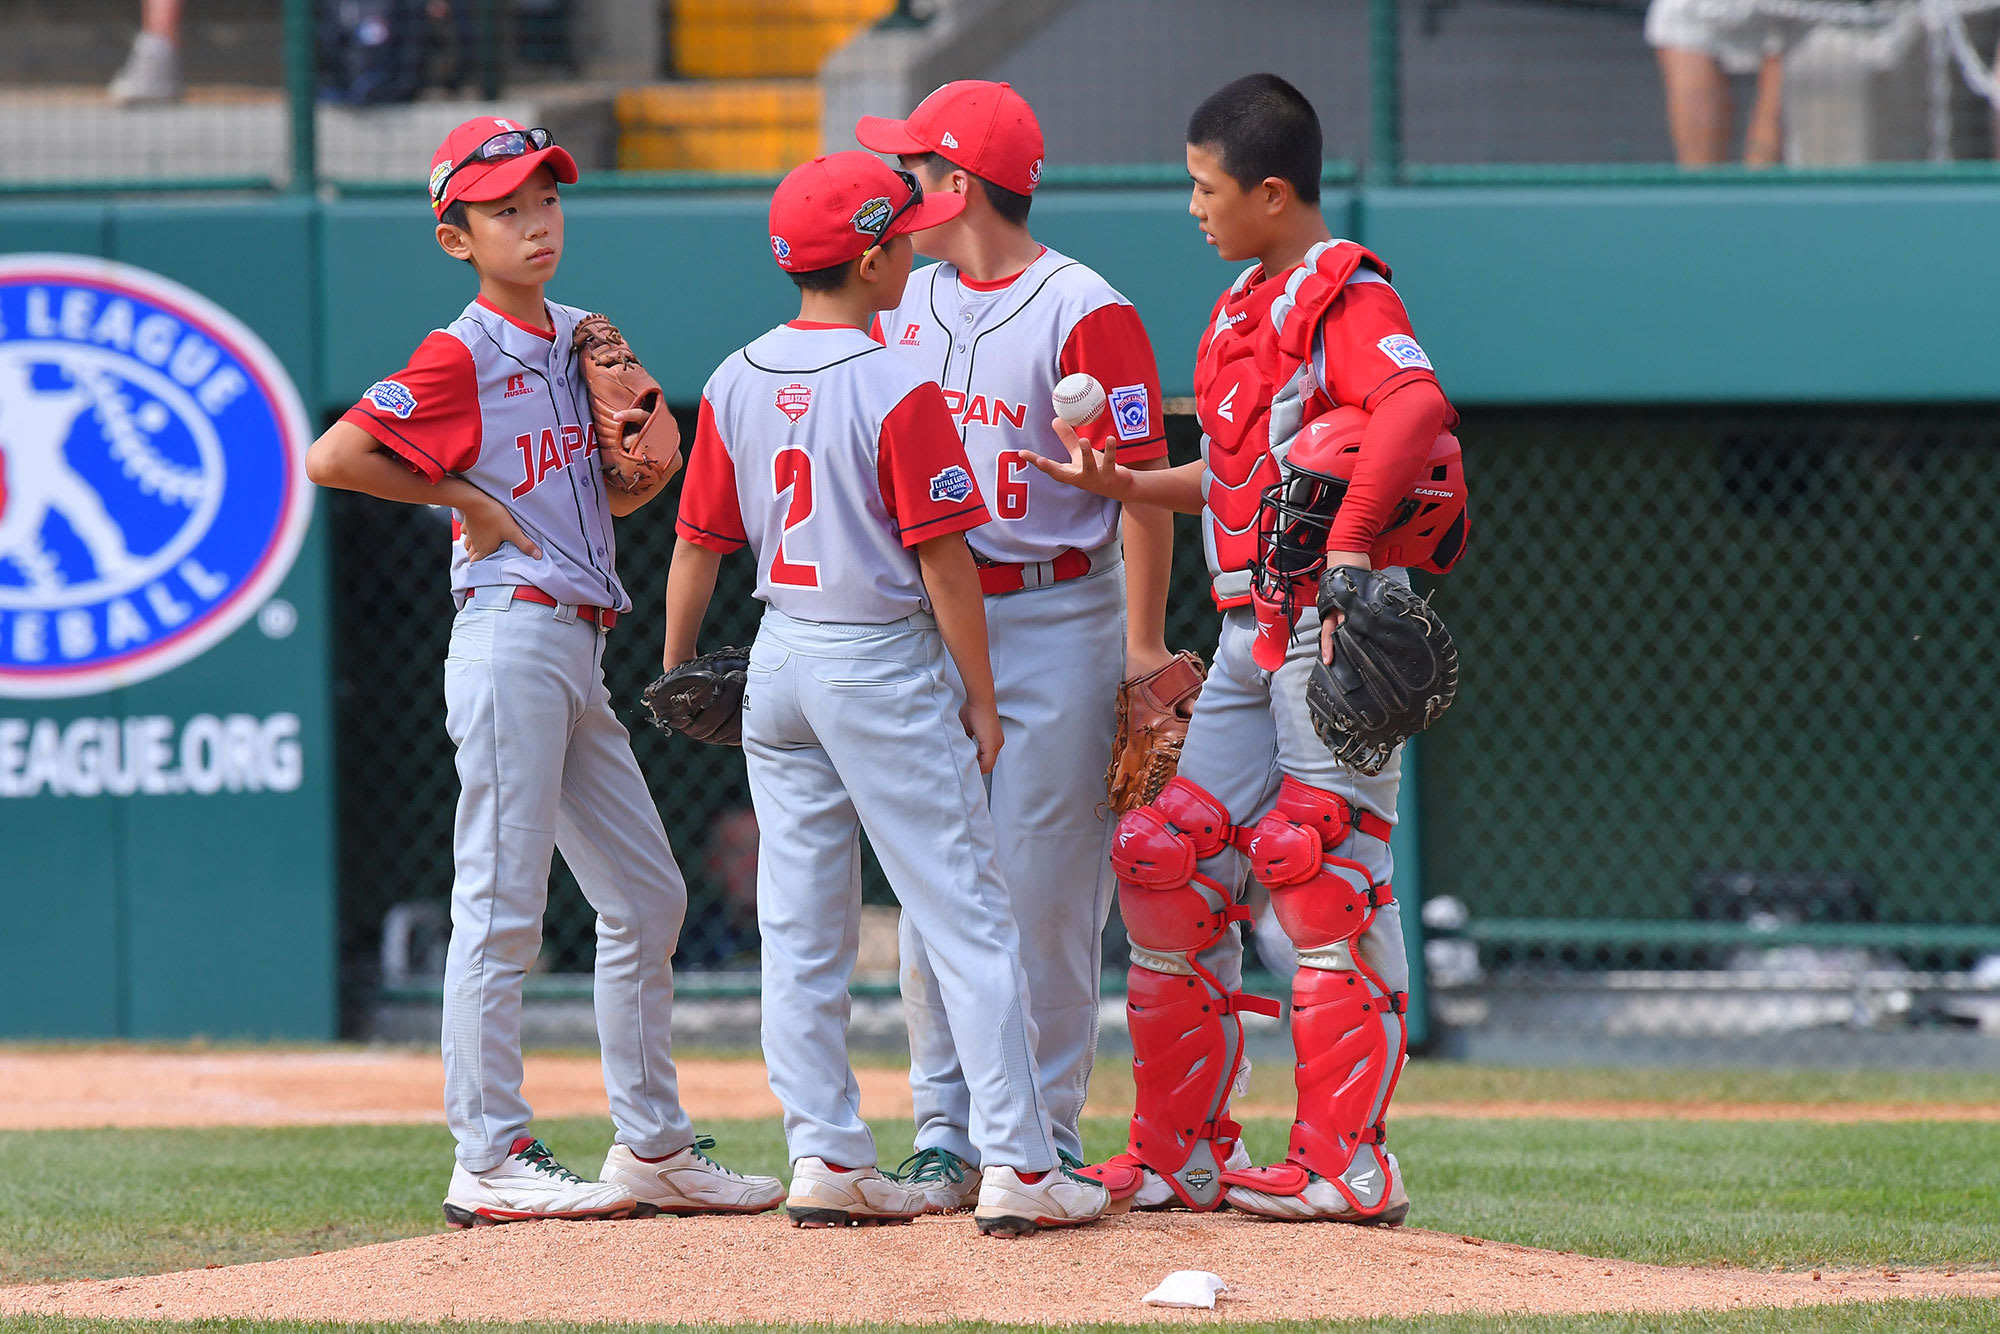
<point x="1010" y="487"/>
<point x="792" y="471"/>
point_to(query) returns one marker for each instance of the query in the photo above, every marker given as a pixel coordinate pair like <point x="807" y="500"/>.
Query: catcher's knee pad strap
<point x="1349" y="1034"/>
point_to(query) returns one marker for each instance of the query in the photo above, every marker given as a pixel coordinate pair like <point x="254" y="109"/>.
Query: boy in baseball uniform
<point x="870" y="701"/>
<point x="491" y="418"/>
<point x="1310" y="326"/>
<point x="1075" y="602"/>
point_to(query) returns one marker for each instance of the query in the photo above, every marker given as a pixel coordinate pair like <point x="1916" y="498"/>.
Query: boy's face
<point x="938" y="177"/>
<point x="515" y="239"/>
<point x="1236" y="221"/>
<point x="888" y="267"/>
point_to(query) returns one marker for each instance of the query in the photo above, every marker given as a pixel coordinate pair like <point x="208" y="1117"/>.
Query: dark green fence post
<point x="489" y="49"/>
<point x="301" y="75"/>
<point x="1385" y="103"/>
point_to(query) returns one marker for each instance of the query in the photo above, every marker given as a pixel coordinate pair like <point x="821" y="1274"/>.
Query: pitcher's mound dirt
<point x="753" y="1269"/>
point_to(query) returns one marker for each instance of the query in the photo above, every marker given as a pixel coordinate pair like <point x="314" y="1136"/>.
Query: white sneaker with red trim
<point x="690" y="1182"/>
<point x="530" y="1184"/>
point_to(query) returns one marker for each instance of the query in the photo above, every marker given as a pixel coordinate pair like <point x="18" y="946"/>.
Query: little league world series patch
<point x="152" y="474"/>
<point x="1131" y="413"/>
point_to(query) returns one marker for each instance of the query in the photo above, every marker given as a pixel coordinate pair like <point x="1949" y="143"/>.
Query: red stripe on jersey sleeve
<point x="1110" y="343"/>
<point x="921" y="467"/>
<point x="711" y="514"/>
<point x="428" y="412"/>
<point x="1364" y="330"/>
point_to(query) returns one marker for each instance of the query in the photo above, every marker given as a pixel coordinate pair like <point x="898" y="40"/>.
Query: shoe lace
<point x="1071" y="1166"/>
<point x="537" y="1156"/>
<point x="926" y="1165"/>
<point x="700" y="1147"/>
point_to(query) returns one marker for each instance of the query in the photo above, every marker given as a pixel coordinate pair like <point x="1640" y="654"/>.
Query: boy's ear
<point x="454" y="241"/>
<point x="1276" y="191"/>
<point x="870" y="267"/>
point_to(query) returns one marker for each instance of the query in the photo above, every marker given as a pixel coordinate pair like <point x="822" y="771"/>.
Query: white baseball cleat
<point x="949" y="1183"/>
<point x="690" y="1182"/>
<point x="1296" y="1195"/>
<point x="824" y="1196"/>
<point x="530" y="1184"/>
<point x="1012" y="1207"/>
<point x="1155" y="1193"/>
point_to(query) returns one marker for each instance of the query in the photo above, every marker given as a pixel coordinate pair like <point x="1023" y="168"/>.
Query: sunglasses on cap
<point x="881" y="232"/>
<point x="506" y="144"/>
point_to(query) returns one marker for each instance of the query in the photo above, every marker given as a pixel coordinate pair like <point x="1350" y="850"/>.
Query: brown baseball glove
<point x="1153" y="713"/>
<point x="635" y="454"/>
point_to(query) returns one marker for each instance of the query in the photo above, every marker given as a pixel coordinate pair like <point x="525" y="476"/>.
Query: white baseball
<point x="1078" y="398"/>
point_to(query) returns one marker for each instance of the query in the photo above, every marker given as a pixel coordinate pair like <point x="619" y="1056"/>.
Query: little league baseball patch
<point x="152" y="474"/>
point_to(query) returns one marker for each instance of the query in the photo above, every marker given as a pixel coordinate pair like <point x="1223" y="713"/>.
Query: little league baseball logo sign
<point x="152" y="475"/>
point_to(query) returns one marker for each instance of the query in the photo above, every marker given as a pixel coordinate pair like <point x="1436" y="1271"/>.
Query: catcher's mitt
<point x="1395" y="668"/>
<point x="634" y="455"/>
<point x="702" y="699"/>
<point x="1153" y="713"/>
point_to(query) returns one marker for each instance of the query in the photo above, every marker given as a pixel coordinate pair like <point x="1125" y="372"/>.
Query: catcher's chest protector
<point x="1251" y="383"/>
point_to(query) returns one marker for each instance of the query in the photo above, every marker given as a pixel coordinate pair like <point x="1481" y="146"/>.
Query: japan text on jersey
<point x="152" y="474"/>
<point x="997" y="354"/>
<point x="502" y="405"/>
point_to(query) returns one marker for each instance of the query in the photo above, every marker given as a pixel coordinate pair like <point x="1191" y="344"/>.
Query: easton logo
<point x="152" y="474"/>
<point x="517" y="385"/>
<point x="793" y="400"/>
<point x="1226" y="409"/>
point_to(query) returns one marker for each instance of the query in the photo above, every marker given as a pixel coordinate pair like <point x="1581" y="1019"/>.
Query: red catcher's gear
<point x="1187" y="1041"/>
<point x="1240" y="370"/>
<point x="1426" y="530"/>
<point x="1347" y="1026"/>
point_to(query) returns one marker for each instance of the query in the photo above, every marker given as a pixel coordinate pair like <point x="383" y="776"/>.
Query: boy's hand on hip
<point x="487" y="525"/>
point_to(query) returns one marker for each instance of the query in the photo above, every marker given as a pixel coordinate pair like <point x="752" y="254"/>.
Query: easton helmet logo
<point x="873" y="216"/>
<point x="152" y="474"/>
<point x="793" y="400"/>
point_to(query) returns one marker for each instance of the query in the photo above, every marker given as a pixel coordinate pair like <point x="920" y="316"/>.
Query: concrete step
<point x="764" y="39"/>
<point x="722" y="125"/>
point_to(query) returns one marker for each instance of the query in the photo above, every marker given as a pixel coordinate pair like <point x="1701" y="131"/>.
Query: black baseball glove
<point x="1395" y="669"/>
<point x="702" y="699"/>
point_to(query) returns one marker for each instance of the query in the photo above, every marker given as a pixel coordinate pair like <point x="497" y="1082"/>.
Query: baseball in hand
<point x="1078" y="398"/>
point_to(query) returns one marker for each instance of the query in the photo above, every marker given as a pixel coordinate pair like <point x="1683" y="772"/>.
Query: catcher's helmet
<point x="1426" y="530"/>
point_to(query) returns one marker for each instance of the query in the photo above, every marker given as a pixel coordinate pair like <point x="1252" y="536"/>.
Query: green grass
<point x="1960" y="1316"/>
<point x="107" y="1203"/>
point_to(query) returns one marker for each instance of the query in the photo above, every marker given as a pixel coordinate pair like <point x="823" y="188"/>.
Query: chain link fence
<point x="1719" y="765"/>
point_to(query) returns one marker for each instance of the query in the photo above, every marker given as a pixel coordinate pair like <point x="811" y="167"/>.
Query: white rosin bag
<point x="1187" y="1287"/>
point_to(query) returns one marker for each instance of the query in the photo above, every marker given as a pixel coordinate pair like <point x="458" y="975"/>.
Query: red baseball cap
<point x="986" y="128"/>
<point x="834" y="208"/>
<point x="495" y="179"/>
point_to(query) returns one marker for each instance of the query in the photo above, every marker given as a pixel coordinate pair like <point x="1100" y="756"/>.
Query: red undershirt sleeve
<point x="710" y="515"/>
<point x="921" y="467"/>
<point x="1110" y="344"/>
<point x="427" y="414"/>
<point x="1394" y="449"/>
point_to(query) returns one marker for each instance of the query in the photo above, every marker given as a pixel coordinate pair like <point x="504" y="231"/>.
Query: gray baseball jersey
<point x="501" y="404"/>
<point x="831" y="459"/>
<point x="997" y="350"/>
